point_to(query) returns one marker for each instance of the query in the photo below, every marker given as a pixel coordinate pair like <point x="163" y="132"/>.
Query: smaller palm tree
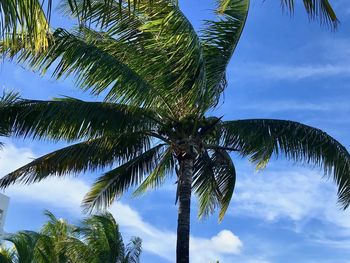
<point x="96" y="240"/>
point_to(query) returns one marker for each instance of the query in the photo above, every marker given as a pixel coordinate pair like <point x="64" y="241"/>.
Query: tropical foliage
<point x="159" y="79"/>
<point x="96" y="240"/>
<point x="33" y="16"/>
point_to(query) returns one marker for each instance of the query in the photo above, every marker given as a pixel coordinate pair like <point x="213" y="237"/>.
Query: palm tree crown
<point x="159" y="79"/>
<point x="96" y="240"/>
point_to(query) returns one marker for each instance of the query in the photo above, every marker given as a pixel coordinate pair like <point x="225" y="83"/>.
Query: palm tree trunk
<point x="183" y="222"/>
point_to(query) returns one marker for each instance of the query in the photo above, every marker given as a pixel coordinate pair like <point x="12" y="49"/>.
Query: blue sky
<point x="284" y="68"/>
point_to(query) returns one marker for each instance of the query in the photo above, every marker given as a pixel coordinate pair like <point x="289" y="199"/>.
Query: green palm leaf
<point x="141" y="57"/>
<point x="157" y="33"/>
<point x="24" y="242"/>
<point x="96" y="240"/>
<point x="157" y="177"/>
<point x="90" y="155"/>
<point x="102" y="236"/>
<point x="7" y="255"/>
<point x="72" y="119"/>
<point x="219" y="39"/>
<point x="133" y="251"/>
<point x="115" y="182"/>
<point x="260" y="138"/>
<point x="214" y="181"/>
<point x="316" y="9"/>
<point x="25" y="17"/>
<point x="5" y="99"/>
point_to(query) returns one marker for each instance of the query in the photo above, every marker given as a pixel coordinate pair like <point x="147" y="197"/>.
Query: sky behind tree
<point x="283" y="68"/>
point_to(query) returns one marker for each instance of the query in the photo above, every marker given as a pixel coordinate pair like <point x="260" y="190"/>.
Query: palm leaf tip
<point x="219" y="39"/>
<point x="320" y="10"/>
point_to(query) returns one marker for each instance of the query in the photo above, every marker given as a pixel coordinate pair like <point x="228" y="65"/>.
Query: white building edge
<point x="4" y="204"/>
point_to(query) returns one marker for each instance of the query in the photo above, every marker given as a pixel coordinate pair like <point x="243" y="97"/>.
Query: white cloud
<point x="290" y="105"/>
<point x="68" y="193"/>
<point x="295" y="72"/>
<point x="297" y="194"/>
<point x="12" y="157"/>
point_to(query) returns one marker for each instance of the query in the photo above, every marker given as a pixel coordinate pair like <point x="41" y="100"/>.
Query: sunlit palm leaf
<point x="7" y="255"/>
<point x="18" y="17"/>
<point x="260" y="138"/>
<point x="144" y="59"/>
<point x="24" y="243"/>
<point x="159" y="36"/>
<point x="219" y="39"/>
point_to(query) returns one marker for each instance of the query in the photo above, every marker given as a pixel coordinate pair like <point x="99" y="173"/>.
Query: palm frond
<point x="25" y="17"/>
<point x="7" y="255"/>
<point x="260" y="138"/>
<point x="214" y="181"/>
<point x="89" y="155"/>
<point x="101" y="234"/>
<point x="138" y="58"/>
<point x="316" y="9"/>
<point x="157" y="177"/>
<point x="24" y="243"/>
<point x="5" y="99"/>
<point x="71" y="119"/>
<point x="219" y="39"/>
<point x="115" y="182"/>
<point x="94" y="68"/>
<point x="133" y="250"/>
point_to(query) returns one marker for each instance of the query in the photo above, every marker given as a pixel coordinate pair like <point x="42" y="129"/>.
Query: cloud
<point x="12" y="157"/>
<point x="295" y="72"/>
<point x="296" y="194"/>
<point x="291" y="105"/>
<point x="67" y="194"/>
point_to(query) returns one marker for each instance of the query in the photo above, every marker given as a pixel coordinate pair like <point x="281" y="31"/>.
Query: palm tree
<point x="96" y="240"/>
<point x="160" y="79"/>
<point x="28" y="247"/>
<point x="104" y="243"/>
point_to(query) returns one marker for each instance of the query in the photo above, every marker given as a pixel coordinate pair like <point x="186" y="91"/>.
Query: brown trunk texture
<point x="183" y="221"/>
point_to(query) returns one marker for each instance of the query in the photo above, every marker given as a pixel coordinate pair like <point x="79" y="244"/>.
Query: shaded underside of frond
<point x="317" y="9"/>
<point x="214" y="182"/>
<point x="101" y="234"/>
<point x="114" y="183"/>
<point x="90" y="155"/>
<point x="71" y="119"/>
<point x="24" y="243"/>
<point x="157" y="177"/>
<point x="260" y="138"/>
